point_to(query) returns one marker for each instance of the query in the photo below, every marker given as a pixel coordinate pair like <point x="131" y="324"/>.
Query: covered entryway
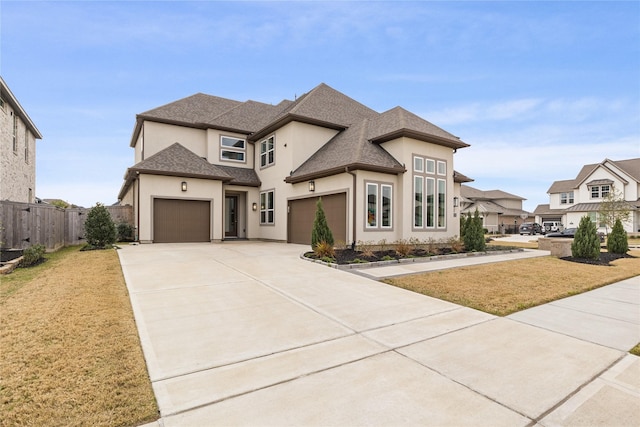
<point x="302" y="213"/>
<point x="178" y="221"/>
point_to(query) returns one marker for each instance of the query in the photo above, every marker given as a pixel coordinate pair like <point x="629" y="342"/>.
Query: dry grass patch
<point x="506" y="287"/>
<point x="70" y="349"/>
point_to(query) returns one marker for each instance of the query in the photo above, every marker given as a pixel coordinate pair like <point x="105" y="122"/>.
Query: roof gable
<point x="399" y="122"/>
<point x="348" y="149"/>
<point x="176" y="160"/>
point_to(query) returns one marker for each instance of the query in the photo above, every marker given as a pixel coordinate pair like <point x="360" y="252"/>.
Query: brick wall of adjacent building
<point x="17" y="166"/>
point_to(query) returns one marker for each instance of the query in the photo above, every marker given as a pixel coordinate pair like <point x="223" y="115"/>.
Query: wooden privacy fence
<point x="26" y="224"/>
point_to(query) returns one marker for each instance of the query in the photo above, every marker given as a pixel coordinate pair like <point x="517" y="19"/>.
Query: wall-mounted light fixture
<point x="312" y="186"/>
<point x="456" y="202"/>
<point x="184" y="185"/>
<point x="254" y="207"/>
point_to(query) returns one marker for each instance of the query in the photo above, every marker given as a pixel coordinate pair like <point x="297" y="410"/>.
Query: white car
<point x="552" y="227"/>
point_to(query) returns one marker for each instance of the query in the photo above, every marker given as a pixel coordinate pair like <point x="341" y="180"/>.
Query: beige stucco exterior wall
<point x="158" y="136"/>
<point x="305" y="140"/>
<point x="404" y="149"/>
<point x="17" y="168"/>
<point x="168" y="187"/>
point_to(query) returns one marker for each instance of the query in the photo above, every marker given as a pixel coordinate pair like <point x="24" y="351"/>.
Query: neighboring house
<point x="501" y="212"/>
<point x="570" y="200"/>
<point x="18" y="136"/>
<point x="210" y="169"/>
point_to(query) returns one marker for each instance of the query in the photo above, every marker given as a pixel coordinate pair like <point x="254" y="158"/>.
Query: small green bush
<point x="125" y="232"/>
<point x="100" y="231"/>
<point x="586" y="243"/>
<point x="32" y="255"/>
<point x="618" y="243"/>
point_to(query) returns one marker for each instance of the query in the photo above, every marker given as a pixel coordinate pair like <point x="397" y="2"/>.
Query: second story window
<point x="232" y="149"/>
<point x="267" y="152"/>
<point x="566" y="198"/>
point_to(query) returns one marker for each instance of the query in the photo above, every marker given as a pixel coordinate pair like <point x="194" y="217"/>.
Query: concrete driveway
<point x="249" y="334"/>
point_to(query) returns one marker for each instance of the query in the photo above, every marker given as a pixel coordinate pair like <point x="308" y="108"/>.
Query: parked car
<point x="530" y="228"/>
<point x="551" y="226"/>
<point x="570" y="233"/>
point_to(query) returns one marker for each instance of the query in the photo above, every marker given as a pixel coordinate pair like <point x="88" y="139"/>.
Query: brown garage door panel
<point x="177" y="221"/>
<point x="302" y="214"/>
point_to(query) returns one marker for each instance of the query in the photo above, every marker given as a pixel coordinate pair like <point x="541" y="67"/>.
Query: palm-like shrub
<point x="100" y="230"/>
<point x="321" y="231"/>
<point x="586" y="243"/>
<point x="618" y="243"/>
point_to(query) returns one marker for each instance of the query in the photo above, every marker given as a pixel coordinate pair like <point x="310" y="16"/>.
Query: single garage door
<point x="302" y="212"/>
<point x="176" y="221"/>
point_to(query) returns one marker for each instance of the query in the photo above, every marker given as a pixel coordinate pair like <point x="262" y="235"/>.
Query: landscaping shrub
<point x="320" y="231"/>
<point x="125" y="232"/>
<point x="100" y="231"/>
<point x="473" y="237"/>
<point x="32" y="255"/>
<point x="586" y="243"/>
<point x="617" y="243"/>
<point x="403" y="248"/>
<point x="324" y="250"/>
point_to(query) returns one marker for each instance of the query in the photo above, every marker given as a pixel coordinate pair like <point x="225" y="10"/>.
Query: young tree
<point x="463" y="225"/>
<point x="321" y="231"/>
<point x="612" y="208"/>
<point x="617" y="242"/>
<point x="100" y="230"/>
<point x="473" y="237"/>
<point x="586" y="243"/>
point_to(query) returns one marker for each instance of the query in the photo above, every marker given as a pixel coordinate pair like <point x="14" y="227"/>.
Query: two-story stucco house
<point x="501" y="212"/>
<point x="211" y="169"/>
<point x="570" y="200"/>
<point x="18" y="136"/>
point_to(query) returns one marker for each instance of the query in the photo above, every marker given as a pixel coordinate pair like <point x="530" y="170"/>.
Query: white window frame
<point x="265" y="209"/>
<point x="418" y="188"/>
<point x="595" y="192"/>
<point x="604" y="193"/>
<point x="233" y="149"/>
<point x="265" y="159"/>
<point x="378" y="217"/>
<point x="430" y="166"/>
<point x="441" y="205"/>
<point x="418" y="160"/>
<point x="442" y="168"/>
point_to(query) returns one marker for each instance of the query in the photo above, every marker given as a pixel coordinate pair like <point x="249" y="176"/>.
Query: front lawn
<point x="70" y="353"/>
<point x="507" y="287"/>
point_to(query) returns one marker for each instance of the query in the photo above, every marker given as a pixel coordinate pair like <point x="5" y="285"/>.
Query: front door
<point x="231" y="216"/>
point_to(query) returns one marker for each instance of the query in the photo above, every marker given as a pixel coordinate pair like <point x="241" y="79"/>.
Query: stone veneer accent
<point x="17" y="174"/>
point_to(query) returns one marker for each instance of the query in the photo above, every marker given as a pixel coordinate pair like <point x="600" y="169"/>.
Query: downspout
<point x="355" y="205"/>
<point x="137" y="206"/>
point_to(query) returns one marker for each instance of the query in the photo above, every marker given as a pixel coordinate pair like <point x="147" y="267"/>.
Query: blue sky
<point x="538" y="89"/>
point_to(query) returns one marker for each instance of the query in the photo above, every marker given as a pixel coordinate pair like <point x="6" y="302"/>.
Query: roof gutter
<point x="355" y="206"/>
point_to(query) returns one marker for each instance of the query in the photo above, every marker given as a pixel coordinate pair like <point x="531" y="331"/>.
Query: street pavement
<point x="247" y="333"/>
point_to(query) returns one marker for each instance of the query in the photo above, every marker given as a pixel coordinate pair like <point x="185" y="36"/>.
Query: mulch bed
<point x="349" y="256"/>
<point x="605" y="259"/>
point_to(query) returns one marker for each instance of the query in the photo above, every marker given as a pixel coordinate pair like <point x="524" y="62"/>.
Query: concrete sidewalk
<point x="248" y="334"/>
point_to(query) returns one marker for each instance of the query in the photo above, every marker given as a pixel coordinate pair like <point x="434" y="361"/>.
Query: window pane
<point x="442" y="206"/>
<point x="430" y="202"/>
<point x="232" y="155"/>
<point x="226" y="141"/>
<point x="571" y="197"/>
<point x="595" y="192"/>
<point x="417" y="201"/>
<point x="386" y="205"/>
<point x="605" y="191"/>
<point x="418" y="164"/>
<point x="442" y="168"/>
<point x="263" y="217"/>
<point x="372" y="205"/>
<point x="270" y="217"/>
<point x="431" y="166"/>
<point x="270" y="200"/>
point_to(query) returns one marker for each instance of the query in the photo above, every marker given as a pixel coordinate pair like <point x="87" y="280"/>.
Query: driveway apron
<point x="246" y="333"/>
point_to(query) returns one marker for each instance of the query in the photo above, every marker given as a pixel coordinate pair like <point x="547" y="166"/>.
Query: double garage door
<point x="177" y="221"/>
<point x="303" y="212"/>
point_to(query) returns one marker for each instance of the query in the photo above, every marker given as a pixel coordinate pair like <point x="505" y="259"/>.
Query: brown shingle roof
<point x="460" y="178"/>
<point x="473" y="193"/>
<point x="176" y="160"/>
<point x="241" y="176"/>
<point x="195" y="109"/>
<point x="399" y="122"/>
<point x="349" y="148"/>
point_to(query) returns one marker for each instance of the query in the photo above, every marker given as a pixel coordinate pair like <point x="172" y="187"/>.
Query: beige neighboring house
<point x="570" y="200"/>
<point x="212" y="169"/>
<point x="18" y="136"/>
<point x="501" y="212"/>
